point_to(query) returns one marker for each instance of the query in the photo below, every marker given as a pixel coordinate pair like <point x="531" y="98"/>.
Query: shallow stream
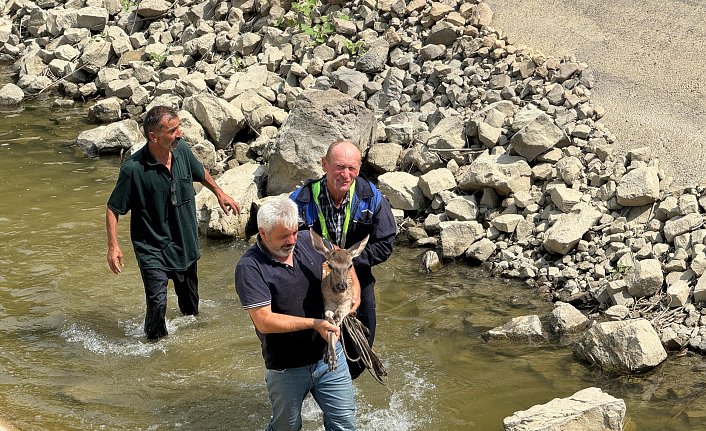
<point x="73" y="357"/>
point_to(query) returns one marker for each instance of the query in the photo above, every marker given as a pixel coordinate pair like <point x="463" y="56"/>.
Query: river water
<point x="73" y="357"/>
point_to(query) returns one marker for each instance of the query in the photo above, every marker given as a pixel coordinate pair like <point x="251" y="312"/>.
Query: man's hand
<point x="115" y="259"/>
<point x="228" y="204"/>
<point x="323" y="327"/>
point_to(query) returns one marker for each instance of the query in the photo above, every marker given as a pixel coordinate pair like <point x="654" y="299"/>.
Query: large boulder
<point x="623" y="347"/>
<point x="241" y="183"/>
<point x="111" y="139"/>
<point x="590" y="409"/>
<point x="318" y="119"/>
<point x="221" y="120"/>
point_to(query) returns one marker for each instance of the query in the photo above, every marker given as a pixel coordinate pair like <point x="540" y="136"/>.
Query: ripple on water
<point x="134" y="345"/>
<point x="407" y="398"/>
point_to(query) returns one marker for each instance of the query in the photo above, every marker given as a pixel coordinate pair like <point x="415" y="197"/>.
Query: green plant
<point x="127" y="4"/>
<point x="317" y="28"/>
<point x="355" y="48"/>
<point x="238" y="63"/>
<point x="157" y="58"/>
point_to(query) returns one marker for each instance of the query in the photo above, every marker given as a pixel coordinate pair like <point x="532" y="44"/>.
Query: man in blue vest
<point x="344" y="207"/>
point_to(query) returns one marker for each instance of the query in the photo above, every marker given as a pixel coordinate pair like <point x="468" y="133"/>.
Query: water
<point x="73" y="356"/>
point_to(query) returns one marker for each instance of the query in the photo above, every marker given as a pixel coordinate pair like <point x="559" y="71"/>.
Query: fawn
<point x="336" y="285"/>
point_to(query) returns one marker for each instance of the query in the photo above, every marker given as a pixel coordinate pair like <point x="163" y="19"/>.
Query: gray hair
<point x="154" y="117"/>
<point x="275" y="211"/>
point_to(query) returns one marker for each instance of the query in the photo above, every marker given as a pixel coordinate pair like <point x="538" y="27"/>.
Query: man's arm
<point x="226" y="202"/>
<point x="268" y="322"/>
<point x="115" y="254"/>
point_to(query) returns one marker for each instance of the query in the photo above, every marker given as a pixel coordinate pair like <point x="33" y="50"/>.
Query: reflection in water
<point x="73" y="355"/>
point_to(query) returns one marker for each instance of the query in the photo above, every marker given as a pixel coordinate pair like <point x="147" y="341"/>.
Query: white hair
<point x="275" y="211"/>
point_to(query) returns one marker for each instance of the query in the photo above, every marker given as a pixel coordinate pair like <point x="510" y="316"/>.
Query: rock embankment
<point x="487" y="151"/>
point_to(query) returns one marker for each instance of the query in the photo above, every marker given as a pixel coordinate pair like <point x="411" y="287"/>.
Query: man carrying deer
<point x="278" y="281"/>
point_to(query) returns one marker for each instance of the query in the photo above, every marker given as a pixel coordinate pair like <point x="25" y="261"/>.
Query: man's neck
<point x="160" y="154"/>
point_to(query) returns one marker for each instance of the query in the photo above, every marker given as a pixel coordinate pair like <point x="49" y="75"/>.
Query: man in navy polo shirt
<point x="278" y="281"/>
<point x="156" y="183"/>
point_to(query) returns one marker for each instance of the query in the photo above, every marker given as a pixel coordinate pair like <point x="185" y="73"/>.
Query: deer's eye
<point x="350" y="266"/>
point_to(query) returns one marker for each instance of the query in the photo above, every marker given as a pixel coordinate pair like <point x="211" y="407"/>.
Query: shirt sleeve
<point x="250" y="284"/>
<point x="197" y="170"/>
<point x="121" y="196"/>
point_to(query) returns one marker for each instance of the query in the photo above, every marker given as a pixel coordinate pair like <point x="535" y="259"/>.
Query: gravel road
<point x="650" y="62"/>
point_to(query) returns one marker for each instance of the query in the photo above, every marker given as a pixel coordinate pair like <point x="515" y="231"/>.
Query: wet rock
<point x="589" y="409"/>
<point x="10" y="94"/>
<point x="624" y="347"/>
<point x="457" y="237"/>
<point x="566" y="318"/>
<point x="519" y="327"/>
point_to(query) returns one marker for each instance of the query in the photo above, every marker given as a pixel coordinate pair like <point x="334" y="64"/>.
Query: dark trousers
<point x="366" y="315"/>
<point x="186" y="286"/>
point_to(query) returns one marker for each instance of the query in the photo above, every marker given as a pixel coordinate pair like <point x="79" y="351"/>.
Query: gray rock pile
<point x="487" y="150"/>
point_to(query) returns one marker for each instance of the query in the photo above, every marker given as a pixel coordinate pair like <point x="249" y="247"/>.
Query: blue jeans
<point x="332" y="391"/>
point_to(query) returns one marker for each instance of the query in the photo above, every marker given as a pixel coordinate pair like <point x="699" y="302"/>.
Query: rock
<point x="462" y="208"/>
<point x="241" y="183"/>
<point x="457" y="236"/>
<point x="481" y="249"/>
<point x="10" y="94"/>
<point x="435" y="181"/>
<point x="503" y="173"/>
<point x="569" y="228"/>
<point x="375" y="58"/>
<point x="638" y="187"/>
<point x="318" y="119"/>
<point x="153" y="8"/>
<point x="645" y="278"/>
<point x="538" y="136"/>
<point x="506" y="222"/>
<point x="623" y="347"/>
<point x="221" y="120"/>
<point x="111" y="139"/>
<point x="401" y="190"/>
<point x="678" y="294"/>
<point x="566" y="318"/>
<point x="92" y="18"/>
<point x="448" y="134"/>
<point x="589" y="409"/>
<point x="564" y="198"/>
<point x="105" y="111"/>
<point x="383" y="157"/>
<point x="519" y="327"/>
<point x="680" y="225"/>
<point x="430" y="262"/>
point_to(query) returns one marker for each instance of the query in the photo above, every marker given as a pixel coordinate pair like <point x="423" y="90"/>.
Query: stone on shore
<point x="589" y="409"/>
<point x="111" y="139"/>
<point x="519" y="327"/>
<point x="623" y="347"/>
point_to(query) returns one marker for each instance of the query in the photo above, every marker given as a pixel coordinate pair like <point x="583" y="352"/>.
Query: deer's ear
<point x="357" y="249"/>
<point x="318" y="242"/>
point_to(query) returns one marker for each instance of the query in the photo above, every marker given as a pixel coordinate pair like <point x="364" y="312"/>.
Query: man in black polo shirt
<point x="278" y="281"/>
<point x="156" y="183"/>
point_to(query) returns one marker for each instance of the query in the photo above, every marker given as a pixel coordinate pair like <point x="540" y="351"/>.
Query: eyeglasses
<point x="172" y="190"/>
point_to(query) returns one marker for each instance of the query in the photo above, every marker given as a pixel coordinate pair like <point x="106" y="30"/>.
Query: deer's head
<point x="339" y="260"/>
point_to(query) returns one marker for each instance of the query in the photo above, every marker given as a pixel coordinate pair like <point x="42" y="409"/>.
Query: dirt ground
<point x="650" y="62"/>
